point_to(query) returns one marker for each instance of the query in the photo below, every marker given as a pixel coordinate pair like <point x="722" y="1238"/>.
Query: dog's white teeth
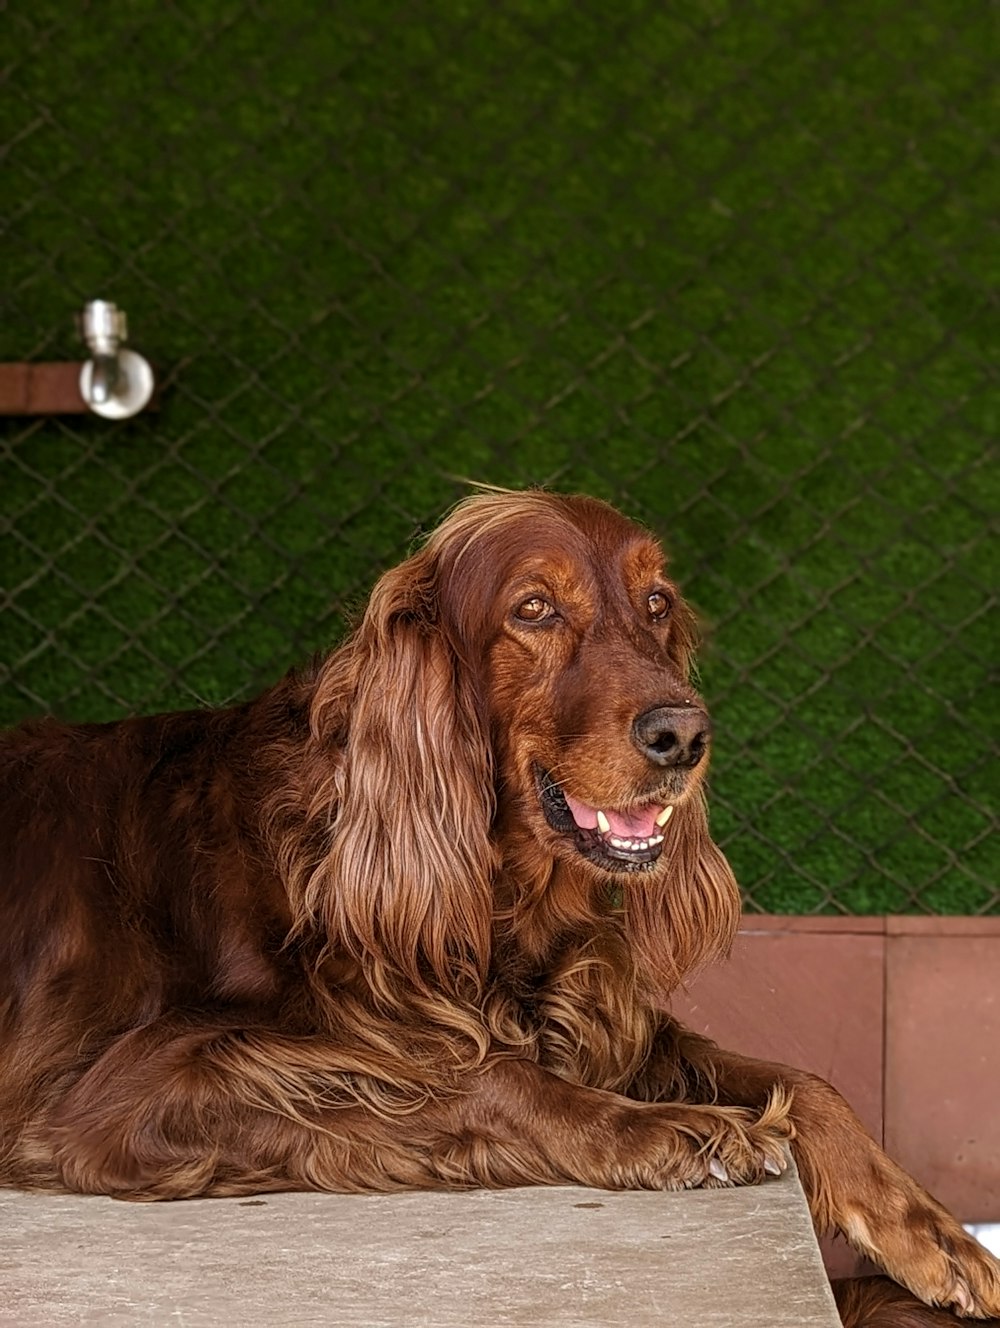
<point x="665" y="816"/>
<point x="603" y="824"/>
<point x="635" y="845"/>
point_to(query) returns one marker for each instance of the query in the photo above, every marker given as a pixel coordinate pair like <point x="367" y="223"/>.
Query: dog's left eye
<point x="658" y="604"/>
<point x="534" y="609"/>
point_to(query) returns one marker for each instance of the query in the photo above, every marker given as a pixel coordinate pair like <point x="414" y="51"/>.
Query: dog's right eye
<point x="534" y="609"/>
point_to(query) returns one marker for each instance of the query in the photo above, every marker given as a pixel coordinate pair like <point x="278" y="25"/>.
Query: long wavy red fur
<point x="330" y="939"/>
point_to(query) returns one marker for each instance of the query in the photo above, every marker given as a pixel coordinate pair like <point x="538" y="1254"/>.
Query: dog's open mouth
<point x="616" y="840"/>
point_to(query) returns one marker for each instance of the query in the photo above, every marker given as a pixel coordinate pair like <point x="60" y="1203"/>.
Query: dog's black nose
<point x="672" y="735"/>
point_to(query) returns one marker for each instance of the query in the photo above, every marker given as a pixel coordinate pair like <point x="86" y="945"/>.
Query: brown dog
<point x="410" y="918"/>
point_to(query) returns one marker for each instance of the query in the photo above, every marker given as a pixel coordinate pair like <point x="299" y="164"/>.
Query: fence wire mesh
<point x="728" y="265"/>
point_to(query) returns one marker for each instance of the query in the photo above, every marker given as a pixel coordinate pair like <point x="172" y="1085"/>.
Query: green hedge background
<point x="728" y="265"/>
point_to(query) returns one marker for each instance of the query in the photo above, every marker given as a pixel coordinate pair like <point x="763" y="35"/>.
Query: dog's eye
<point x="658" y="604"/>
<point x="534" y="609"/>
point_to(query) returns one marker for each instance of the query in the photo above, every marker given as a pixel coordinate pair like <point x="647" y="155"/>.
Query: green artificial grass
<point x="727" y="266"/>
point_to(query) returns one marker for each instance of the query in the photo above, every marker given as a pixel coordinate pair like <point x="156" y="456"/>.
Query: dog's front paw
<point x="921" y="1245"/>
<point x="688" y="1147"/>
<point x="746" y="1146"/>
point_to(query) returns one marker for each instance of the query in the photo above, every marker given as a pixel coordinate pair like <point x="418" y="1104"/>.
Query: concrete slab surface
<point x="552" y="1257"/>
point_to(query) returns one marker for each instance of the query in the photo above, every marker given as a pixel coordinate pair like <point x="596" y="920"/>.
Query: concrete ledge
<point x="552" y="1257"/>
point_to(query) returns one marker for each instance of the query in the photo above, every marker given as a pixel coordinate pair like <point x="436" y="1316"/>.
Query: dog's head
<point x="582" y="646"/>
<point x="524" y="680"/>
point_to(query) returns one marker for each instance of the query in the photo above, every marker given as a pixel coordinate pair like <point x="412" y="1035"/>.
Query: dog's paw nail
<point x="771" y="1167"/>
<point x="716" y="1169"/>
<point x="962" y="1298"/>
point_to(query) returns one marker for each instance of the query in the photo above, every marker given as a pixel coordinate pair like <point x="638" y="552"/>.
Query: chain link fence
<point x="728" y="265"/>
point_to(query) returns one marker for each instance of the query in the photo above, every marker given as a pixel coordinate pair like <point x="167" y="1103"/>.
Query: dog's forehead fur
<point x="498" y="539"/>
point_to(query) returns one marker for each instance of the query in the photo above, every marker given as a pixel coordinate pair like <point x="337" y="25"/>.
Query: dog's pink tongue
<point x="639" y="823"/>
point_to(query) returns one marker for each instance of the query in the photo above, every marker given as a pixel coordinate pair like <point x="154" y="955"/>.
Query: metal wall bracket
<point x="115" y="383"/>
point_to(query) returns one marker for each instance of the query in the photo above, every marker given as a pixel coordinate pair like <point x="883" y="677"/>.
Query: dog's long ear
<point x="689" y="915"/>
<point x="407" y="882"/>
